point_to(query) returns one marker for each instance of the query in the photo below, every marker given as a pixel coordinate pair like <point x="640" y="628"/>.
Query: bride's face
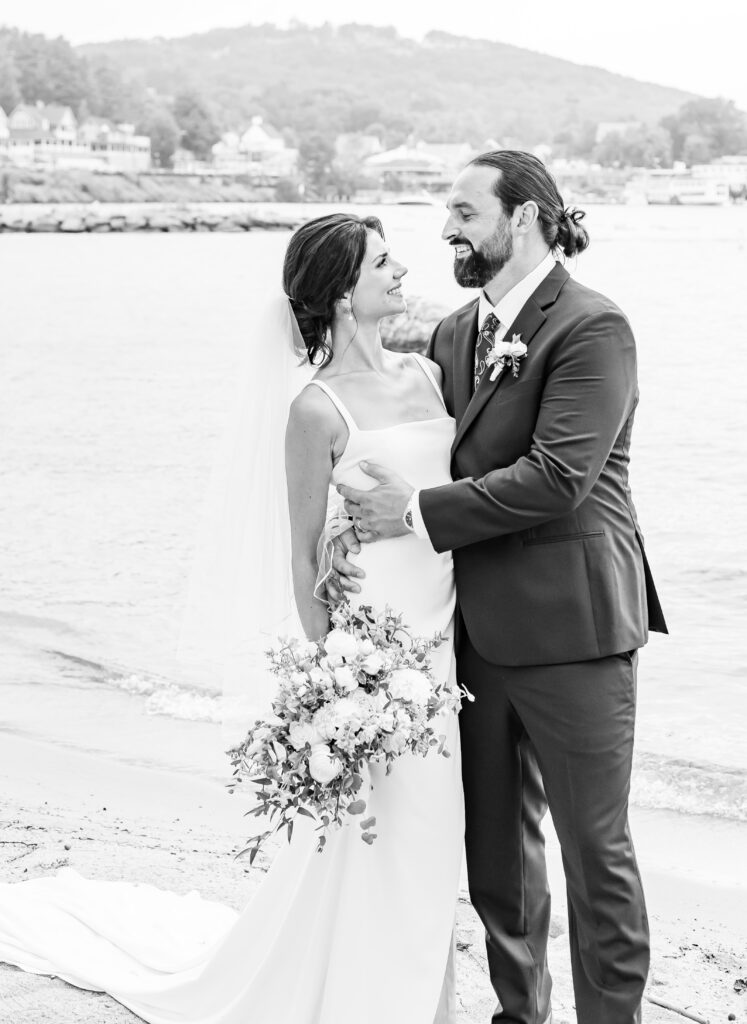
<point x="378" y="292"/>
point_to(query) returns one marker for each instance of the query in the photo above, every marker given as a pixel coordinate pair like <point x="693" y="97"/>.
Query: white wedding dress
<point x="356" y="933"/>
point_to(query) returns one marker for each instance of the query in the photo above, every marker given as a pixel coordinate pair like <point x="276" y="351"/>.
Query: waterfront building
<point x="352" y="148"/>
<point x="48" y="135"/>
<point x="44" y="134"/>
<point x="429" y="165"/>
<point x="729" y="169"/>
<point x="453" y="155"/>
<point x="259" y="152"/>
<point x="115" y="147"/>
<point x="677" y="186"/>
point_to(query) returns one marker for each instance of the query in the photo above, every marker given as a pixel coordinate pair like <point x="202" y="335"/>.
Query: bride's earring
<point x="347" y="309"/>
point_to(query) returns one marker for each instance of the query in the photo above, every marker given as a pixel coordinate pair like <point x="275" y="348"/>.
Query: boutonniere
<point x="506" y="353"/>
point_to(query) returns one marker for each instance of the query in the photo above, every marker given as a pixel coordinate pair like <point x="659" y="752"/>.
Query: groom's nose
<point x="450" y="229"/>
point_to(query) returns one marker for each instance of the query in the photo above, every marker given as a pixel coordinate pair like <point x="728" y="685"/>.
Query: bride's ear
<point x="345" y="307"/>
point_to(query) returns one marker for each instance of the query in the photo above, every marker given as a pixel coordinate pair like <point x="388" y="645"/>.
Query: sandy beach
<point x="110" y="761"/>
<point x="112" y="820"/>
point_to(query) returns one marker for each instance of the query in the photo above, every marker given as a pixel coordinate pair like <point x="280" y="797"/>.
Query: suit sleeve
<point x="589" y="394"/>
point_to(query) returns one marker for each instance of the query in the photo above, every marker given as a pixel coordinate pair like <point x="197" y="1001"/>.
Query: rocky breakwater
<point x="97" y="219"/>
<point x="411" y="331"/>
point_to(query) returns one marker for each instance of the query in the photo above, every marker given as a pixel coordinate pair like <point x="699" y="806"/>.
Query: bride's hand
<point x="341" y="578"/>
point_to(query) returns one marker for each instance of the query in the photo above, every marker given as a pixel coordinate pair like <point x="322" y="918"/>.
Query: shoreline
<point x="156" y="216"/>
<point x="114" y="820"/>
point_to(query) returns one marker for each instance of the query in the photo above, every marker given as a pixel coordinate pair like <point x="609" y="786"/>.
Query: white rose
<point x="324" y="720"/>
<point x="380" y="698"/>
<point x="373" y="663"/>
<point x="323" y="766"/>
<point x="369" y="733"/>
<point x="366" y="647"/>
<point x="409" y="684"/>
<point x="365" y="702"/>
<point x="395" y="743"/>
<point x="333" y="718"/>
<point x="403" y="723"/>
<point x="386" y="721"/>
<point x="347" y="711"/>
<point x="339" y="643"/>
<point x="329" y="664"/>
<point x="320" y="677"/>
<point x="344" y="677"/>
<point x="301" y="733"/>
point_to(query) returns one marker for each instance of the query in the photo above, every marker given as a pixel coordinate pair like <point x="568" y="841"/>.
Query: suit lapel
<point x="526" y="324"/>
<point x="465" y="335"/>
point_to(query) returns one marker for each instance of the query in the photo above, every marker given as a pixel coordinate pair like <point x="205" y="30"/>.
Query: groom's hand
<point x="378" y="513"/>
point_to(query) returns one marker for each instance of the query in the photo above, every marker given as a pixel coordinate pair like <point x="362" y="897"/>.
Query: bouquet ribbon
<point x="338" y="521"/>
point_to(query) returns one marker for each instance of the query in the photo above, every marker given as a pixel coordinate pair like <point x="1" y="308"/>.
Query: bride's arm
<point x="310" y="442"/>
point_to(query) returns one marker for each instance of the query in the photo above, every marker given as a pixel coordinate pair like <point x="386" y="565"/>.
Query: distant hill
<point x="355" y="77"/>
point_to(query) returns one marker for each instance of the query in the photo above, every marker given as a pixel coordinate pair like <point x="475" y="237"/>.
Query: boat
<point x="414" y="199"/>
<point x="663" y="188"/>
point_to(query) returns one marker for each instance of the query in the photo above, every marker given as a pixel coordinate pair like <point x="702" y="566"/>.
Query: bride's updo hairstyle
<point x="524" y="179"/>
<point x="322" y="263"/>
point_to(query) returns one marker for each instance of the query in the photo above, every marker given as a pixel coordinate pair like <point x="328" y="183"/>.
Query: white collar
<point x="509" y="307"/>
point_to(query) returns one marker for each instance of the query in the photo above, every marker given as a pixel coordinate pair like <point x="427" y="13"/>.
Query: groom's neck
<point x="513" y="272"/>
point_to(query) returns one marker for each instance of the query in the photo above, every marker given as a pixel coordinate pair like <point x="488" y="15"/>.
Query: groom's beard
<point x="481" y="266"/>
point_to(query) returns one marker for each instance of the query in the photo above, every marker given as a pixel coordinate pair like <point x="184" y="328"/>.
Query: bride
<point x="355" y="933"/>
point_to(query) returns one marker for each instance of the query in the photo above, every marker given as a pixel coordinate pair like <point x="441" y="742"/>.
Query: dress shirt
<point x="506" y="310"/>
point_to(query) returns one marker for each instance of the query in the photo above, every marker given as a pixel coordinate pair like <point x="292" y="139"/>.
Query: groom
<point x="554" y="590"/>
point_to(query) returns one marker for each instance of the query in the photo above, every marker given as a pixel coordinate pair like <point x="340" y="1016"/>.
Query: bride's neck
<point x="356" y="347"/>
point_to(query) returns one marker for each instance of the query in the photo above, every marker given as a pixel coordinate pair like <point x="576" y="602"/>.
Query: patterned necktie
<point x="485" y="340"/>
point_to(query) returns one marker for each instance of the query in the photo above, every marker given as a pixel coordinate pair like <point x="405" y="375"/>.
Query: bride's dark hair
<point x="323" y="261"/>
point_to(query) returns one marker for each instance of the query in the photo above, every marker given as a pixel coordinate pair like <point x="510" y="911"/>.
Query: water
<point x="117" y="354"/>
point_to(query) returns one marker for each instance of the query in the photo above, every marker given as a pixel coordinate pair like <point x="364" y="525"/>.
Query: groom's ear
<point x="526" y="216"/>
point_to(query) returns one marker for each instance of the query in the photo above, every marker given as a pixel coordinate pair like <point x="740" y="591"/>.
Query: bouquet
<point x="365" y="693"/>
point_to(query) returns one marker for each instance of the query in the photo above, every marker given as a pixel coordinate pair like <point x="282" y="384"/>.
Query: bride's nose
<point x="400" y="271"/>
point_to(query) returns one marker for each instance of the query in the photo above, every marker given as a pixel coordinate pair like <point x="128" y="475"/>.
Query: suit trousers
<point x="557" y="735"/>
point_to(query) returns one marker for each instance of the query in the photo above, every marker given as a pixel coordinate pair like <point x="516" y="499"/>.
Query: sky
<point x="694" y="46"/>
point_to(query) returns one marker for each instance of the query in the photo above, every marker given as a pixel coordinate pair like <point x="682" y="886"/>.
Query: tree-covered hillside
<point x="314" y="83"/>
<point x="353" y="77"/>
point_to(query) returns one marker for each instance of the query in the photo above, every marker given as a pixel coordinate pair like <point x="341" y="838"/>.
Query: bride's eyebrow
<point x="380" y="255"/>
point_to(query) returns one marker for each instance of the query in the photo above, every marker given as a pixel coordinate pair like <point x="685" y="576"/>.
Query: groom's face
<point x="478" y="228"/>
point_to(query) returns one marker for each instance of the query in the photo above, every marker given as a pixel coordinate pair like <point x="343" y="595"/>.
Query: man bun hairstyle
<point x="524" y="178"/>
<point x="323" y="262"/>
<point x="572" y="238"/>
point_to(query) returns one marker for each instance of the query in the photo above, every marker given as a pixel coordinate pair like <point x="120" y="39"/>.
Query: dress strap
<point x="338" y="404"/>
<point x="423" y="364"/>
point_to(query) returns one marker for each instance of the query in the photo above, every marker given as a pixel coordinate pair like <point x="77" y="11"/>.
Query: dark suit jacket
<point x="548" y="554"/>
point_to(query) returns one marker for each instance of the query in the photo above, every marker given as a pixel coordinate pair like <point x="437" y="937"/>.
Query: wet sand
<point x="112" y="820"/>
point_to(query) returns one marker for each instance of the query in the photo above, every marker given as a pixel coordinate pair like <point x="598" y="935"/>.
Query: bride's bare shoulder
<point x="313" y="408"/>
<point x="435" y="369"/>
<point x="314" y="423"/>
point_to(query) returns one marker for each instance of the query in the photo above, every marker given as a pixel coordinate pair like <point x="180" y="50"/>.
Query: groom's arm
<point x="589" y="394"/>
